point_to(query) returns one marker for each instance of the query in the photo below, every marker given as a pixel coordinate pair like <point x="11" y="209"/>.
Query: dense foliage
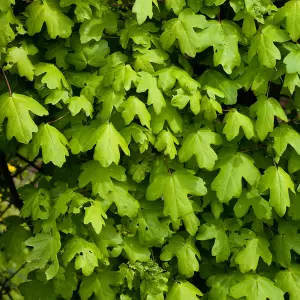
<point x="168" y="133"/>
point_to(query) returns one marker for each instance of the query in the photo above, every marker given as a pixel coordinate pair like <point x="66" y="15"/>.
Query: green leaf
<point x="292" y="61"/>
<point x="279" y="183"/>
<point x="86" y="253"/>
<point x="290" y="12"/>
<point x="135" y="251"/>
<point x="210" y="107"/>
<point x="36" y="290"/>
<point x="49" y="12"/>
<point x="166" y="141"/>
<point x="132" y="107"/>
<point x="76" y="104"/>
<point x="182" y="29"/>
<point x="217" y="229"/>
<point x="19" y="56"/>
<point x="234" y="166"/>
<point x="256" y="287"/>
<point x="223" y="37"/>
<point x="16" y="108"/>
<point x="284" y="135"/>
<point x="266" y="109"/>
<point x="286" y="240"/>
<point x="262" y="44"/>
<point x="100" y="177"/>
<point x="45" y="248"/>
<point x="143" y="9"/>
<point x="6" y="33"/>
<point x="234" y="121"/>
<point x="248" y="257"/>
<point x="53" y="144"/>
<point x="95" y="215"/>
<point x="54" y="79"/>
<point x="174" y="189"/>
<point x="175" y="5"/>
<point x="260" y="206"/>
<point x="37" y="203"/>
<point x="155" y="96"/>
<point x="289" y="281"/>
<point x="99" y="284"/>
<point x="186" y="253"/>
<point x="181" y="290"/>
<point x="199" y="144"/>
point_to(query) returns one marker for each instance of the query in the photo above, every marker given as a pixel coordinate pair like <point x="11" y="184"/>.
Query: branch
<point x="7" y="83"/>
<point x="14" y="196"/>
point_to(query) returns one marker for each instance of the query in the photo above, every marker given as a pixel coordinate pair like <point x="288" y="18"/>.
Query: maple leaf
<point x="199" y="144"/>
<point x="222" y="83"/>
<point x="182" y="29"/>
<point x="151" y="227"/>
<point x="186" y="253"/>
<point x="58" y="51"/>
<point x="210" y="107"/>
<point x="290" y="12"/>
<point x="174" y="189"/>
<point x="76" y="104"/>
<point x="234" y="121"/>
<point x="6" y="33"/>
<point x="49" y="12"/>
<point x="289" y="281"/>
<point x="291" y="81"/>
<point x="182" y="289"/>
<point x="266" y="109"/>
<point x="260" y="206"/>
<point x="45" y="248"/>
<point x="36" y="202"/>
<point x="100" y="177"/>
<point x="57" y="95"/>
<point x="256" y="287"/>
<point x="248" y="257"/>
<point x="294" y="207"/>
<point x="155" y="96"/>
<point x="35" y="290"/>
<point x="262" y="44"/>
<point x="143" y="9"/>
<point x="286" y="240"/>
<point x="176" y="6"/>
<point x="217" y="229"/>
<point x="19" y="56"/>
<point x="134" y="250"/>
<point x="234" y="166"/>
<point x="224" y="37"/>
<point x="54" y="79"/>
<point x="92" y="29"/>
<point x="257" y="8"/>
<point x="169" y="114"/>
<point x="133" y="106"/>
<point x="87" y="254"/>
<point x="100" y="284"/>
<point x="53" y="144"/>
<point x="166" y="141"/>
<point x="292" y="61"/>
<point x="284" y="135"/>
<point x="95" y="215"/>
<point x="279" y="183"/>
<point x="16" y="108"/>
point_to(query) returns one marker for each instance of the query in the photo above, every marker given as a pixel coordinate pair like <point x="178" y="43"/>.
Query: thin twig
<point x="58" y="118"/>
<point x="29" y="162"/>
<point x="7" y="83"/>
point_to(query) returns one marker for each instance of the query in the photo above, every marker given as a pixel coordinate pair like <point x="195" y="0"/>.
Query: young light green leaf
<point x="279" y="183"/>
<point x="49" y="12"/>
<point x="199" y="144"/>
<point x="135" y="251"/>
<point x="266" y="109"/>
<point x="234" y="121"/>
<point x="19" y="56"/>
<point x="286" y="240"/>
<point x="53" y="144"/>
<point x="134" y="107"/>
<point x="284" y="135"/>
<point x="143" y="9"/>
<point x="100" y="177"/>
<point x="186" y="253"/>
<point x="95" y="215"/>
<point x="175" y="5"/>
<point x="16" y="108"/>
<point x="182" y="29"/>
<point x="167" y="141"/>
<point x="174" y="189"/>
<point x="256" y="287"/>
<point x="181" y="290"/>
<point x="210" y="108"/>
<point x="234" y="166"/>
<point x="76" y="104"/>
<point x="289" y="281"/>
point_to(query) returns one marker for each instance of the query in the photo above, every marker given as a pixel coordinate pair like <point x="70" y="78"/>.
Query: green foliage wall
<point x="169" y="136"/>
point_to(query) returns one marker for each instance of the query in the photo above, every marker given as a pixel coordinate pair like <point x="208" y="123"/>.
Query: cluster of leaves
<point x="169" y="131"/>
